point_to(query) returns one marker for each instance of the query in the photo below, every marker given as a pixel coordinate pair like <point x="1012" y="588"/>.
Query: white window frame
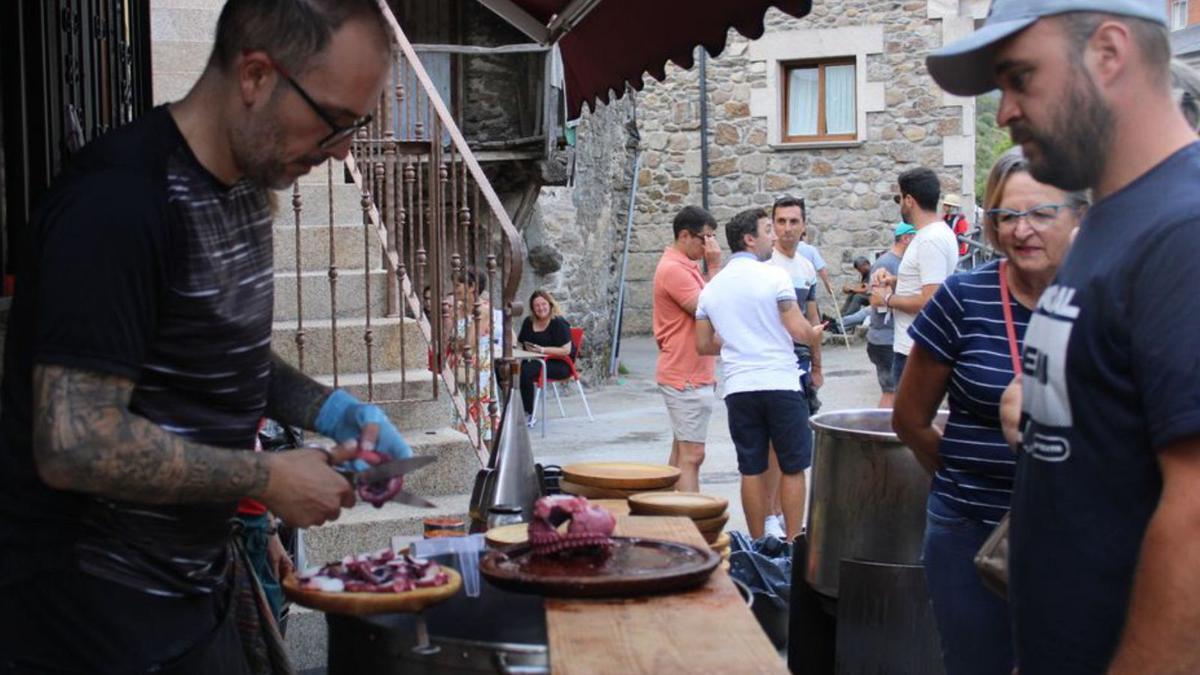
<point x="779" y="50"/>
<point x="1179" y="14"/>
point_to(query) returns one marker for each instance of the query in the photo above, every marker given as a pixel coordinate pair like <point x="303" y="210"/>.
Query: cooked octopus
<point x="565" y="523"/>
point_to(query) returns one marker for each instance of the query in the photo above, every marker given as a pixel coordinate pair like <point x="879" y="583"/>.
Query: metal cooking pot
<point x="868" y="495"/>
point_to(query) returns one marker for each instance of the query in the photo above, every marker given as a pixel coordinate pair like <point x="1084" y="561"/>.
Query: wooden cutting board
<point x="371" y="603"/>
<point x="708" y="629"/>
<point x="690" y="504"/>
<point x="622" y="475"/>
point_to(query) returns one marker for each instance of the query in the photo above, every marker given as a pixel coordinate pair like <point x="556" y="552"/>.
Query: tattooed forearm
<point x="294" y="398"/>
<point x="85" y="439"/>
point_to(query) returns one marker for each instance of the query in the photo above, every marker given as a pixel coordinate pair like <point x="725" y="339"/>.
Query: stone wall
<point x="581" y="229"/>
<point x="905" y="121"/>
<point x="498" y="88"/>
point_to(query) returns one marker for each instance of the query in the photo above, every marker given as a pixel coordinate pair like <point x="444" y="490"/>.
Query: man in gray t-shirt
<point x="881" y="327"/>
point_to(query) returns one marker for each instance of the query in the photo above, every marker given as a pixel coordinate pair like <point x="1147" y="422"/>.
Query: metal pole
<point x="616" y="337"/>
<point x="703" y="127"/>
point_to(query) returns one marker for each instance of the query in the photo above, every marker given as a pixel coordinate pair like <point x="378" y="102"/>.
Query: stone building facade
<point x="900" y="120"/>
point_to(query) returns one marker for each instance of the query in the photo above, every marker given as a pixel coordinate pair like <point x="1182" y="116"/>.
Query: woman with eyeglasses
<point x="967" y="342"/>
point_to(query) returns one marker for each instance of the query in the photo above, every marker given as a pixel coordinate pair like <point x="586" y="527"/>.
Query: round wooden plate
<point x="508" y="535"/>
<point x="711" y="537"/>
<point x="712" y="524"/>
<point x="593" y="492"/>
<point x="622" y="475"/>
<point x="691" y="504"/>
<point x="371" y="603"/>
<point x="634" y="566"/>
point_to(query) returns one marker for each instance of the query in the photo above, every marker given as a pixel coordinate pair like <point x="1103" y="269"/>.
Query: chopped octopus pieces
<point x="380" y="572"/>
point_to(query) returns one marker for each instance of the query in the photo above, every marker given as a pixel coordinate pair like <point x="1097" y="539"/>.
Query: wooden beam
<point x="569" y="17"/>
<point x="473" y="49"/>
<point x="519" y="18"/>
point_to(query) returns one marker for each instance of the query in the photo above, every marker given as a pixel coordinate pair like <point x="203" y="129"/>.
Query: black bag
<point x="765" y="566"/>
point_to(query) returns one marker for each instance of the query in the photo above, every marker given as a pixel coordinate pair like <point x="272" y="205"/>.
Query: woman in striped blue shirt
<point x="966" y="344"/>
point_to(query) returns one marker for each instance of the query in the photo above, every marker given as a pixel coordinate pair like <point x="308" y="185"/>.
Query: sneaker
<point x="773" y="527"/>
<point x="530" y="421"/>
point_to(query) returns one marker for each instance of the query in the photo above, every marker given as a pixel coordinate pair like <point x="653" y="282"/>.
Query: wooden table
<point x="706" y="630"/>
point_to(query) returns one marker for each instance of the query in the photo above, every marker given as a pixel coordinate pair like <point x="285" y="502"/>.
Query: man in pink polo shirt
<point x="684" y="377"/>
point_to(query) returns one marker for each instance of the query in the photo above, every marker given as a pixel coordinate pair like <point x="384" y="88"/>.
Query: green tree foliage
<point x="990" y="141"/>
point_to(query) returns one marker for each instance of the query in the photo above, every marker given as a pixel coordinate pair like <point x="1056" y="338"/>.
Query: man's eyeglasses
<point x="1039" y="217"/>
<point x="339" y="133"/>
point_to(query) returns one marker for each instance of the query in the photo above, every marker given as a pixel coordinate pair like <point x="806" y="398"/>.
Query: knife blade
<point x="388" y="469"/>
<point x="406" y="497"/>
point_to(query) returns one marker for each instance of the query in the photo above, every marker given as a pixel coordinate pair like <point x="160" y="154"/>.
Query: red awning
<point x="617" y="41"/>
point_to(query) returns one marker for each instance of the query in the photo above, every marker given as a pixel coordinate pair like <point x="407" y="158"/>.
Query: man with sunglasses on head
<point x="1105" y="529"/>
<point x="139" y="358"/>
<point x="685" y="377"/>
<point x="931" y="256"/>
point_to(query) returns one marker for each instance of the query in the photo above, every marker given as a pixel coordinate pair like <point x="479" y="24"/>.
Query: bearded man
<point x="1105" y="532"/>
<point x="139" y="359"/>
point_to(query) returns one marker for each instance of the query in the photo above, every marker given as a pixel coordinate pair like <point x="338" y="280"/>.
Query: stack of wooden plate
<point x="707" y="511"/>
<point x="617" y="480"/>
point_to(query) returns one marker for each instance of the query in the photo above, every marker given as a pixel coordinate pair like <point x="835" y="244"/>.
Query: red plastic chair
<point x="540" y="385"/>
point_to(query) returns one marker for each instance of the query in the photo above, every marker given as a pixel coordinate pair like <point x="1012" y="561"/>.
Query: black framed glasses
<point x="1039" y="217"/>
<point x="338" y="133"/>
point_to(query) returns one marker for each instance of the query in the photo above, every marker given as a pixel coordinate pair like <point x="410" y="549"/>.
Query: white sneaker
<point x="530" y="421"/>
<point x="773" y="527"/>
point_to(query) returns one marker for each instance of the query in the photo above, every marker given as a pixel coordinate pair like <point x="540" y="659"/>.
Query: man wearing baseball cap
<point x="1105" y="538"/>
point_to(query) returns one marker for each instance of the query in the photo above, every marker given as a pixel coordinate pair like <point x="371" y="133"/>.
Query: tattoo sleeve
<point x="85" y="439"/>
<point x="294" y="398"/>
<point x="785" y="305"/>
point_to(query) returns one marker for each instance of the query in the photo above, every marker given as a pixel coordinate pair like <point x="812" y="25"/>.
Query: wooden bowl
<point x="690" y="504"/>
<point x="712" y="524"/>
<point x="371" y="603"/>
<point x="711" y="537"/>
<point x="622" y="475"/>
<point x="593" y="492"/>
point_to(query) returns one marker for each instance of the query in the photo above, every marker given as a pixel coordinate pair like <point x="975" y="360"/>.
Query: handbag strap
<point x="1009" y="328"/>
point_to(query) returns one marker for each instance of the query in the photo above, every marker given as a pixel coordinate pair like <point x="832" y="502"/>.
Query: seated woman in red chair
<point x="544" y="331"/>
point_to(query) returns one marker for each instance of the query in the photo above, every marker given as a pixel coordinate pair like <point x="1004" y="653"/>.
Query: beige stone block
<point x="722" y="167"/>
<point x="755" y="163"/>
<point x="726" y="134"/>
<point x="737" y="109"/>
<point x="775" y="182"/>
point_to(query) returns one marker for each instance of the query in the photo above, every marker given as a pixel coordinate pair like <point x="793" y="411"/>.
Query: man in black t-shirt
<point x="1105" y="530"/>
<point x="138" y="360"/>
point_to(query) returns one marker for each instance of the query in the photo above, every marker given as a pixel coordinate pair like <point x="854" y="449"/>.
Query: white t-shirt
<point x="931" y="257"/>
<point x="742" y="302"/>
<point x="801" y="271"/>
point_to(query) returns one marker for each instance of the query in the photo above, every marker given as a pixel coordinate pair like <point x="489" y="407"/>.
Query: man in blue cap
<point x="880" y="327"/>
<point x="1105" y="537"/>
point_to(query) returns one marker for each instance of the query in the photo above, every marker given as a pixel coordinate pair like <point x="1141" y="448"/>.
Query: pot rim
<point x="824" y="422"/>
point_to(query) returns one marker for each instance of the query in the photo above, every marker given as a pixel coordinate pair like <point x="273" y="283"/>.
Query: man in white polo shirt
<point x="749" y="315"/>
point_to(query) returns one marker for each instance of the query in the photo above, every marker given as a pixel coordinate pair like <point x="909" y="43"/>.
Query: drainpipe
<point x="703" y="127"/>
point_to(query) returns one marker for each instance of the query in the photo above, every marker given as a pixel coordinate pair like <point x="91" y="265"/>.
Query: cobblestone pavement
<point x="631" y="422"/>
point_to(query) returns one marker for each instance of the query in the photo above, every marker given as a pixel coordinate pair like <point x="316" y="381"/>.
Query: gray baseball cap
<point x="964" y="68"/>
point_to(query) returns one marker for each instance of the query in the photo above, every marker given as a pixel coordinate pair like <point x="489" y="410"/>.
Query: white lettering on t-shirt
<point x="1045" y="397"/>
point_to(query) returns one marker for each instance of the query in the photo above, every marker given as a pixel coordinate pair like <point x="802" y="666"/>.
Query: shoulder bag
<point x="992" y="559"/>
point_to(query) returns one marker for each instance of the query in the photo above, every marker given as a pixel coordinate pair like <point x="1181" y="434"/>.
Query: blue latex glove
<point x="343" y="417"/>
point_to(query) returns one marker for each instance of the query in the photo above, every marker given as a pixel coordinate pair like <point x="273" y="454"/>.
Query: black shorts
<point x="881" y="356"/>
<point x="757" y="418"/>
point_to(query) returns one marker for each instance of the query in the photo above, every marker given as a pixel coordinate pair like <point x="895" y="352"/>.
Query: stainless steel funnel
<point x="511" y="476"/>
